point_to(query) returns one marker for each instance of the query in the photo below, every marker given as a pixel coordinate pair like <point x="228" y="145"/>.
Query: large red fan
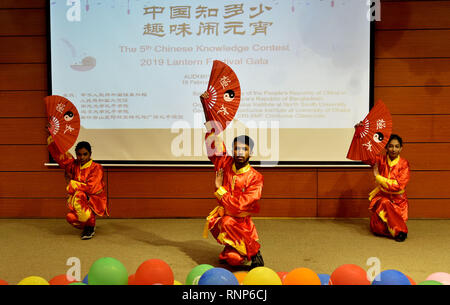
<point x="372" y="135"/>
<point x="223" y="95"/>
<point x="63" y="121"/>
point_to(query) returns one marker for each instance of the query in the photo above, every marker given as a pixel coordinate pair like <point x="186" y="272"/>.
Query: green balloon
<point x="430" y="282"/>
<point x="195" y="274"/>
<point x="107" y="271"/>
<point x="77" y="283"/>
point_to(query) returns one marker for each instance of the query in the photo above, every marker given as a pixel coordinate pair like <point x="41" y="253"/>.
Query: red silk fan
<point x="372" y="135"/>
<point x="221" y="99"/>
<point x="63" y="121"/>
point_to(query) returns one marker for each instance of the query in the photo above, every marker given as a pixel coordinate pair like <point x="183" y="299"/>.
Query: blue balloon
<point x="324" y="278"/>
<point x="218" y="276"/>
<point x="391" y="277"/>
<point x="85" y="280"/>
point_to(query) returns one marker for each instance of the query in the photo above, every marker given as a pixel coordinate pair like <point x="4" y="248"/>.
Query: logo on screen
<point x="73" y="14"/>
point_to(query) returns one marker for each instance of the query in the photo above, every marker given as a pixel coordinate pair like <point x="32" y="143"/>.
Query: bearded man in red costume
<point x="85" y="186"/>
<point x="238" y="189"/>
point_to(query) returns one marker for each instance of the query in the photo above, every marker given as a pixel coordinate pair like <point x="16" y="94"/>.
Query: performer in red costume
<point x="388" y="201"/>
<point x="239" y="187"/>
<point x="85" y="186"/>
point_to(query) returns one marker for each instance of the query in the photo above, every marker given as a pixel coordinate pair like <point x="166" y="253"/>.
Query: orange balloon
<point x="61" y="279"/>
<point x="302" y="276"/>
<point x="240" y="275"/>
<point x="3" y="282"/>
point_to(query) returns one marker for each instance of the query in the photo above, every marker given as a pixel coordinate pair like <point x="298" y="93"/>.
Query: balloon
<point x="430" y="282"/>
<point x="240" y="275"/>
<point x="391" y="277"/>
<point x="411" y="280"/>
<point x="77" y="283"/>
<point x="3" y="282"/>
<point x="441" y="277"/>
<point x="153" y="271"/>
<point x="282" y="275"/>
<point x="61" y="279"/>
<point x="33" y="280"/>
<point x="107" y="271"/>
<point x="131" y="279"/>
<point x="86" y="279"/>
<point x="175" y="282"/>
<point x="262" y="276"/>
<point x="324" y="278"/>
<point x="302" y="276"/>
<point x="195" y="274"/>
<point x="349" y="274"/>
<point x="218" y="276"/>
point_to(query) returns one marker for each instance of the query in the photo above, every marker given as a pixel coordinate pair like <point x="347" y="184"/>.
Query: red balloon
<point x="131" y="280"/>
<point x="61" y="279"/>
<point x="411" y="280"/>
<point x="154" y="271"/>
<point x="349" y="274"/>
<point x="282" y="275"/>
<point x="3" y="282"/>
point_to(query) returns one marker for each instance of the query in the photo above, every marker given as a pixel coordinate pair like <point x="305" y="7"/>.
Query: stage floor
<point x="42" y="247"/>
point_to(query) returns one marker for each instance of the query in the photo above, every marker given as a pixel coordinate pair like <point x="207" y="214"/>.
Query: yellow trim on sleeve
<point x="385" y="182"/>
<point x="50" y="140"/>
<point x="381" y="180"/>
<point x="220" y="192"/>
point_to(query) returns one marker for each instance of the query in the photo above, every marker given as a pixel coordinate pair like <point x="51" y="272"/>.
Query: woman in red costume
<point x="388" y="201"/>
<point x="85" y="186"/>
<point x="238" y="189"/>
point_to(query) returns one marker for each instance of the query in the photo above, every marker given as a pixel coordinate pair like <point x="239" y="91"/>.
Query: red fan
<point x="221" y="102"/>
<point x="372" y="135"/>
<point x="63" y="121"/>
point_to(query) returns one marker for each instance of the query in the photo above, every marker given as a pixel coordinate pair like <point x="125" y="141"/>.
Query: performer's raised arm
<point x="64" y="159"/>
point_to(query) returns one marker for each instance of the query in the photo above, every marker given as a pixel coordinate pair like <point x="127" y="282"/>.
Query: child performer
<point x="85" y="186"/>
<point x="388" y="201"/>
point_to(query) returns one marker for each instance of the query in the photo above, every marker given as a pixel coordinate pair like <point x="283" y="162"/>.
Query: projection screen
<point x="135" y="70"/>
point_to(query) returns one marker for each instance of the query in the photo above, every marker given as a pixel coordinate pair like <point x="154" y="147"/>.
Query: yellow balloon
<point x="262" y="276"/>
<point x="175" y="282"/>
<point x="33" y="280"/>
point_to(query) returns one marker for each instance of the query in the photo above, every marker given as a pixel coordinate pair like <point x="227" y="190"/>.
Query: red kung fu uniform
<point x="230" y="222"/>
<point x="86" y="189"/>
<point x="388" y="201"/>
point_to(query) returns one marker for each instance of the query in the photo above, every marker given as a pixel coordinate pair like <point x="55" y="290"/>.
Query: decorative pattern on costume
<point x="240" y="247"/>
<point x="82" y="214"/>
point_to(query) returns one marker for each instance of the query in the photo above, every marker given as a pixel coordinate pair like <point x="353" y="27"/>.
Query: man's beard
<point x="237" y="162"/>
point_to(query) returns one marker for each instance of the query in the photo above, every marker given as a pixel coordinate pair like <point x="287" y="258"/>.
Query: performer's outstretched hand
<point x="219" y="178"/>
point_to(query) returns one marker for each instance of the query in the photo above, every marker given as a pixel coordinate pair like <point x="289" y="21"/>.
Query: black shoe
<point x="88" y="232"/>
<point x="257" y="260"/>
<point x="401" y="236"/>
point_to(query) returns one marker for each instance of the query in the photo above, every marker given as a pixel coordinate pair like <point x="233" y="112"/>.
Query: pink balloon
<point x="441" y="277"/>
